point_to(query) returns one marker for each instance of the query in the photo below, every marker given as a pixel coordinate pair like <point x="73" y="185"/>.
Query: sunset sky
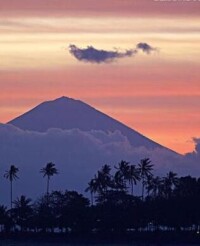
<point x="157" y="94"/>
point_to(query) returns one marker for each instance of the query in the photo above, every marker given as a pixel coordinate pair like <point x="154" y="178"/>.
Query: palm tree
<point x="154" y="186"/>
<point x="170" y="182"/>
<point x="119" y="184"/>
<point x="133" y="176"/>
<point x="92" y="187"/>
<point x="123" y="173"/>
<point x="22" y="203"/>
<point x="107" y="176"/>
<point x="11" y="175"/>
<point x="49" y="170"/>
<point x="103" y="179"/>
<point x="145" y="168"/>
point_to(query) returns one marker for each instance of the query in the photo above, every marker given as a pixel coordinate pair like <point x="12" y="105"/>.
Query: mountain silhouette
<point x="79" y="140"/>
<point x="67" y="113"/>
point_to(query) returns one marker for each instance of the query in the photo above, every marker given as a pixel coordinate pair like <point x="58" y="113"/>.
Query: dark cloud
<point x="93" y="55"/>
<point x="146" y="48"/>
<point x="90" y="54"/>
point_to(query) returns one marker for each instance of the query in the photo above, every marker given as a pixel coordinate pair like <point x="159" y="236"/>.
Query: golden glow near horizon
<point x="158" y="94"/>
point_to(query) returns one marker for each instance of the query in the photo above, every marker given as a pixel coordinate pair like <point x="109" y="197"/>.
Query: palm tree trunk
<point x="47" y="185"/>
<point x="143" y="189"/>
<point x="92" y="198"/>
<point x="132" y="188"/>
<point x="11" y="191"/>
<point x="48" y="189"/>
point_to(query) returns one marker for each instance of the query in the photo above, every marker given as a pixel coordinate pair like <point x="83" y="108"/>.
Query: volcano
<point x="67" y="113"/>
<point x="79" y="139"/>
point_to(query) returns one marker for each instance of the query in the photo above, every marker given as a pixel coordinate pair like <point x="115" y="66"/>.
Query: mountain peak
<point x="63" y="99"/>
<point x="67" y="113"/>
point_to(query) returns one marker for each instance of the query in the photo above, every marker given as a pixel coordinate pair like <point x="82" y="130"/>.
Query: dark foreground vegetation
<point x="168" y="208"/>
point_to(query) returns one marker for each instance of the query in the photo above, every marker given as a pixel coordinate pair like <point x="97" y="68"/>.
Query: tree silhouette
<point x="44" y="218"/>
<point x="11" y="175"/>
<point x="104" y="179"/>
<point x="49" y="170"/>
<point x="170" y="182"/>
<point x="92" y="188"/>
<point x="133" y="176"/>
<point x="122" y="174"/>
<point x="3" y="216"/>
<point x="145" y="168"/>
<point x="187" y="187"/>
<point x="119" y="184"/>
<point x="22" y="211"/>
<point x="75" y="212"/>
<point x="171" y="205"/>
<point x="154" y="186"/>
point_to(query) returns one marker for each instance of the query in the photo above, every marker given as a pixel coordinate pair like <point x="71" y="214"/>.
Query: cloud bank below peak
<point x="93" y="55"/>
<point x="78" y="155"/>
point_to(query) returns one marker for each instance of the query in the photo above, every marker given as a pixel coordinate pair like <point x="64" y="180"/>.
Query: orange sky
<point x="156" y="94"/>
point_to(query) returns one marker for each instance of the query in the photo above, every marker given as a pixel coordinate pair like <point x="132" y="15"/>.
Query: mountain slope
<point x="67" y="113"/>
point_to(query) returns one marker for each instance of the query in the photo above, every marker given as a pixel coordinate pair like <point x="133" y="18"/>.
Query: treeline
<point x="168" y="204"/>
